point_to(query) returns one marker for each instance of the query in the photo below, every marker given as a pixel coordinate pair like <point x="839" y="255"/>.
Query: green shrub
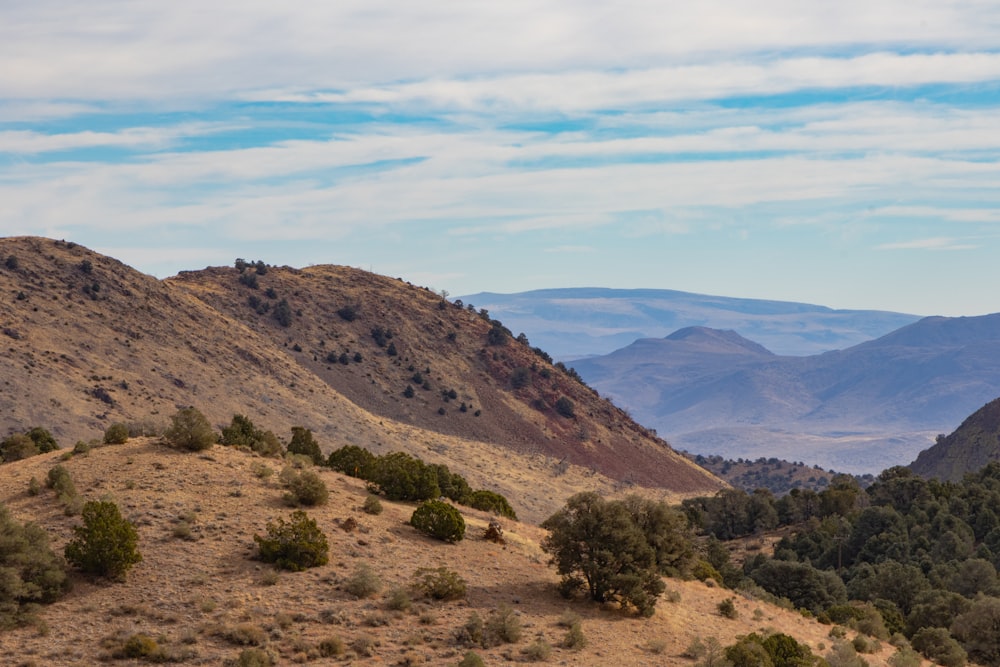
<point x="241" y="432"/>
<point x="364" y="582"/>
<point x="106" y="544"/>
<point x="303" y="443"/>
<point x="372" y="505"/>
<point x="471" y="659"/>
<point x="294" y="545"/>
<point x="42" y="439"/>
<point x="304" y="488"/>
<point x="727" y="608"/>
<point x="141" y="646"/>
<point x="452" y="485"/>
<point x="399" y="600"/>
<point x="331" y="647"/>
<point x="60" y="481"/>
<point x="439" y="519"/>
<point x="490" y="501"/>
<point x="34" y="486"/>
<point x="31" y="572"/>
<point x="937" y="645"/>
<point x="438" y="583"/>
<point x="252" y="657"/>
<point x="352" y="460"/>
<point x="18" y="446"/>
<point x="116" y="434"/>
<point x="565" y="407"/>
<point x="400" y="476"/>
<point x="189" y="429"/>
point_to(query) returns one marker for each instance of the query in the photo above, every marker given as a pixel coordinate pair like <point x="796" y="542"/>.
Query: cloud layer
<point x="789" y="150"/>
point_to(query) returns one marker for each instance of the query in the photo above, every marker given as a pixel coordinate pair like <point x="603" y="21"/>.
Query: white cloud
<point x="937" y="243"/>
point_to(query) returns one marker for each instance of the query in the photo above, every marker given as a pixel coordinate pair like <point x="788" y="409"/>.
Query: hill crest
<point x="91" y="341"/>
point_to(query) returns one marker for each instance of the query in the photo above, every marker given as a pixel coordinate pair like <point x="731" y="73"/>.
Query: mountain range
<point x="861" y="409"/>
<point x="578" y="322"/>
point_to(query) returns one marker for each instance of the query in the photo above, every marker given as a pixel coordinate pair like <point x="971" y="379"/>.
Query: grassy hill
<point x="89" y="341"/>
<point x="203" y="598"/>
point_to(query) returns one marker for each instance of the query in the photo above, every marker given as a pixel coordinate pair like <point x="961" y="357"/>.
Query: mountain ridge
<point x="91" y="341"/>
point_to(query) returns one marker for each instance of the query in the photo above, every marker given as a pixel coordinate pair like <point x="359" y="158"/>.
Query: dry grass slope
<point x="202" y="597"/>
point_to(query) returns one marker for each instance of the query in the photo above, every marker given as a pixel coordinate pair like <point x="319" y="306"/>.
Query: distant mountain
<point x="579" y="322"/>
<point x="857" y="410"/>
<point x="971" y="446"/>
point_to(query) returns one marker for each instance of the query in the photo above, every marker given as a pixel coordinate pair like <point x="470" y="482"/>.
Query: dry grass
<point x="205" y="599"/>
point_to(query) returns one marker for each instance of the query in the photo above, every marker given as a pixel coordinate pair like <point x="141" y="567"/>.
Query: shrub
<point x="116" y="434"/>
<point x="294" y="545"/>
<point x="283" y="313"/>
<point x="453" y="486"/>
<point x="575" y="639"/>
<point x="438" y="583"/>
<point x="402" y="477"/>
<point x="489" y="501"/>
<point x="439" y="519"/>
<point x="331" y="647"/>
<point x="42" y="439"/>
<point x="598" y="544"/>
<point x="18" y="446"/>
<point x="60" y="481"/>
<point x="502" y="626"/>
<point x="303" y="443"/>
<point x="11" y="262"/>
<point x="399" y="600"/>
<point x="937" y="645"/>
<point x="364" y="582"/>
<point x="32" y="572"/>
<point x="565" y="407"/>
<point x="242" y="432"/>
<point x="189" y="429"/>
<point x="252" y="657"/>
<point x="471" y="659"/>
<point x="106" y="544"/>
<point x="521" y="377"/>
<point x="372" y="505"/>
<point x="727" y="608"/>
<point x="348" y="313"/>
<point x="352" y="460"/>
<point x="143" y="646"/>
<point x="537" y="651"/>
<point x="304" y="488"/>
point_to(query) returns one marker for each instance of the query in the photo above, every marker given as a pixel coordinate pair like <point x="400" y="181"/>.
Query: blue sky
<point x="846" y="154"/>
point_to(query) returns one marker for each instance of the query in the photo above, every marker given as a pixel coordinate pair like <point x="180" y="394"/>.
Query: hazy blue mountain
<point x="578" y="322"/>
<point x="860" y="409"/>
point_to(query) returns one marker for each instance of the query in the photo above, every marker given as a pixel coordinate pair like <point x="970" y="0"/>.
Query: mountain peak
<point x="723" y="338"/>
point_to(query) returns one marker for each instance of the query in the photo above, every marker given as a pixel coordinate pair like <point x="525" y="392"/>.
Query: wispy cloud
<point x="940" y="243"/>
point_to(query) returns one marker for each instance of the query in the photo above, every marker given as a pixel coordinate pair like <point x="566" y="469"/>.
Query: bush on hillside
<point x="597" y="545"/>
<point x="17" y="446"/>
<point x="304" y="488"/>
<point x="42" y="439"/>
<point x="116" y="434"/>
<point x="241" y="432"/>
<point x="294" y="545"/>
<point x="452" y="485"/>
<point x="440" y="520"/>
<point x="31" y="572"/>
<point x="189" y="429"/>
<point x="438" y="583"/>
<point x="400" y="476"/>
<point x="106" y="544"/>
<point x="352" y="460"/>
<point x="490" y="501"/>
<point x="303" y="443"/>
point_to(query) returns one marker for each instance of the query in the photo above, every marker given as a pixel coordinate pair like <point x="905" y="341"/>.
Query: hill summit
<point x="970" y="447"/>
<point x="356" y="357"/>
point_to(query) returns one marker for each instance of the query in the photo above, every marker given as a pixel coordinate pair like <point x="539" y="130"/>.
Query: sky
<point x="838" y="153"/>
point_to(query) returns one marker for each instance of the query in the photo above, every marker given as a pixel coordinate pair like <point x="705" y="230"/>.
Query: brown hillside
<point x="198" y="591"/>
<point x="89" y="341"/>
<point x="975" y="443"/>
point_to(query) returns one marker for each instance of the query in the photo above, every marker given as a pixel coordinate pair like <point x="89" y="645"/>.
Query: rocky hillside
<point x="971" y="446"/>
<point x="356" y="357"/>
